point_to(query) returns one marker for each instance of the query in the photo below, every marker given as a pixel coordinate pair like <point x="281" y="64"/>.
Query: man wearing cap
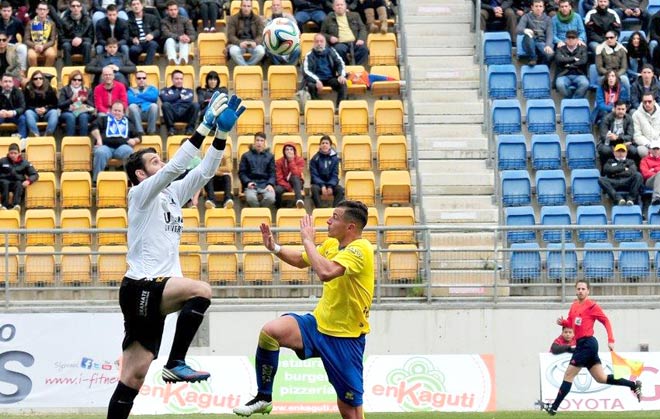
<point x="571" y="59"/>
<point x="621" y="175"/>
<point x="650" y="168"/>
<point x="16" y="174"/>
<point x="646" y="123"/>
<point x="616" y="128"/>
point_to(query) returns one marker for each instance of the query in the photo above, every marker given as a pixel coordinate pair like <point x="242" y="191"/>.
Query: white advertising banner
<point x="588" y="395"/>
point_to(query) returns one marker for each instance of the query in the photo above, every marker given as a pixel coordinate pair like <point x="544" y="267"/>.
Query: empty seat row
<point x="502" y="81"/>
<point x="541" y="114"/>
<point x="516" y="187"/>
<point x="546" y="152"/>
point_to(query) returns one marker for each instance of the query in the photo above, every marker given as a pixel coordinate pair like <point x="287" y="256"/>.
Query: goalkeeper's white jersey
<point x="155" y="218"/>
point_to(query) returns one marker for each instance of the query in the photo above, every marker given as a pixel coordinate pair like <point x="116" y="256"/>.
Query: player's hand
<point x="267" y="236"/>
<point x="611" y="346"/>
<point x="560" y="320"/>
<point x="218" y="100"/>
<point x="229" y="114"/>
<point x="307" y="228"/>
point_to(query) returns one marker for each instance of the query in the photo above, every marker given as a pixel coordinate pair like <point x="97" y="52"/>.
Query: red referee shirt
<point x="581" y="318"/>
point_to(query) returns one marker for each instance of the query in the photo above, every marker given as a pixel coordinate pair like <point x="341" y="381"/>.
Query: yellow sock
<point x="267" y="342"/>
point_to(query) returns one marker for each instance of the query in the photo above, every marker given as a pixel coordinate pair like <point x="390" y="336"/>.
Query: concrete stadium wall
<point x="515" y="336"/>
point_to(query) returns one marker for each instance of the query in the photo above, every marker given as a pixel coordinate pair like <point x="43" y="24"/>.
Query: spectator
<point x="564" y="342"/>
<point x="209" y="10"/>
<point x="567" y="20"/>
<point x="108" y="92"/>
<point x="221" y="181"/>
<point x="536" y="28"/>
<point x="114" y="137"/>
<point x="289" y="175"/>
<point x="498" y="15"/>
<point x="324" y="67"/>
<point x="119" y="63"/>
<point x="598" y="22"/>
<point x="633" y="9"/>
<point x="612" y="56"/>
<point x="291" y="59"/>
<point x="40" y="104"/>
<point x="211" y="85"/>
<point x="614" y="129"/>
<point x="638" y="55"/>
<point x="12" y="107"/>
<point x="143" y="103"/>
<point x="16" y="174"/>
<point x="144" y="33"/>
<point x="178" y="105"/>
<point x="41" y="37"/>
<point x="646" y="124"/>
<point x="645" y="83"/>
<point x="610" y="91"/>
<point x="245" y="35"/>
<point x="257" y="173"/>
<point x="178" y="32"/>
<point x="111" y="27"/>
<point x="77" y="34"/>
<point x="101" y="7"/>
<point x="308" y="11"/>
<point x="9" y="60"/>
<point x="350" y="42"/>
<point x="13" y="27"/>
<point x="650" y="167"/>
<point x="76" y="105"/>
<point x="161" y="5"/>
<point x="654" y="32"/>
<point x="571" y="61"/>
<point x="375" y="9"/>
<point x="620" y="177"/>
<point x="324" y="170"/>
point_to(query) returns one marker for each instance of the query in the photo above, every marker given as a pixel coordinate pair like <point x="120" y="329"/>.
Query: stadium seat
<point x="496" y="48"/>
<point x="580" y="151"/>
<point x="598" y="261"/>
<point x="520" y="216"/>
<point x="248" y="81"/>
<point x="39" y="266"/>
<point x="212" y="47"/>
<point x="235" y="6"/>
<point x="634" y="261"/>
<point x="5" y="142"/>
<point x="257" y="264"/>
<point x="546" y="152"/>
<point x="361" y="186"/>
<point x="656" y="260"/>
<point x="506" y="116"/>
<point x="173" y="144"/>
<point x="319" y="117"/>
<point x="188" y="71"/>
<point x="391" y="152"/>
<point x="594" y="78"/>
<point x="280" y="140"/>
<point x="320" y="218"/>
<point x="516" y="188"/>
<point x="243" y="144"/>
<point x="73" y="219"/>
<point x="395" y="187"/>
<point x="190" y="220"/>
<point x="550" y="187"/>
<point x="292" y="275"/>
<point x="282" y="81"/>
<point x="190" y="259"/>
<point x="42" y="194"/>
<point x="306" y="44"/>
<point x="111" y="189"/>
<point x="402" y="263"/>
<point x="253" y="119"/>
<point x="535" y="81"/>
<point x="40" y="151"/>
<point x="373" y="220"/>
<point x="354" y="117"/>
<point x="220" y="218"/>
<point x="356" y="152"/>
<point x="627" y="215"/>
<point x="66" y="71"/>
<point x="284" y="117"/>
<point x="388" y="117"/>
<point x="153" y="76"/>
<point x="76" y="265"/>
<point x="289" y="218"/>
<point x="591" y="215"/>
<point x="561" y="261"/>
<point x="525" y="262"/>
<point x="111" y="218"/>
<point x="48" y="71"/>
<point x="9" y="220"/>
<point x="76" y="154"/>
<point x="382" y="49"/>
<point x="576" y="116"/>
<point x="9" y="266"/>
<point x="398" y="217"/>
<point x="252" y="218"/>
<point x="502" y="81"/>
<point x="222" y="263"/>
<point x="653" y="218"/>
<point x="287" y="7"/>
<point x="511" y="152"/>
<point x="75" y="190"/>
<point x="559" y="215"/>
<point x="111" y="263"/>
<point x="222" y="70"/>
<point x="653" y="7"/>
<point x="153" y="141"/>
<point x="541" y="116"/>
<point x="39" y="219"/>
<point x="386" y="88"/>
<point x="585" y="188"/>
<point x="354" y="89"/>
<point x="520" y="51"/>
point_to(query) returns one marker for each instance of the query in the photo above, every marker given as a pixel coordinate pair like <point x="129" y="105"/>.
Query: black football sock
<point x="564" y="389"/>
<point x="620" y="382"/>
<point x="121" y="401"/>
<point x="189" y="320"/>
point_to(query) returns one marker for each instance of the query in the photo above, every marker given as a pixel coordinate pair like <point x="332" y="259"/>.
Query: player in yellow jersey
<point x="335" y="331"/>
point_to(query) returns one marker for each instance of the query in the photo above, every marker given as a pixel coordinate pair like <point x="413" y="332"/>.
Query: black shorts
<point x="139" y="300"/>
<point x="586" y="353"/>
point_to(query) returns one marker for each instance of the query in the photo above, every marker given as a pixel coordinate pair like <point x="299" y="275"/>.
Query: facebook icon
<point x="86" y="363"/>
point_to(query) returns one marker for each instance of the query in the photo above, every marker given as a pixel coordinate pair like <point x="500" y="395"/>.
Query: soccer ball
<point x="281" y="36"/>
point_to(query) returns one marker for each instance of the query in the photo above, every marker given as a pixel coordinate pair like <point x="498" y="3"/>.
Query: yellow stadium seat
<point x="243" y="144"/>
<point x="190" y="259"/>
<point x="39" y="265"/>
<point x="388" y="117"/>
<point x="39" y="219"/>
<point x="9" y="220"/>
<point x="320" y="218"/>
<point x="5" y="142"/>
<point x="287" y="7"/>
<point x="282" y="81"/>
<point x="289" y="218"/>
<point x="76" y="190"/>
<point x="173" y="144"/>
<point x="153" y="141"/>
<point x="399" y="216"/>
<point x="74" y="219"/>
<point x="313" y="144"/>
<point x="306" y="44"/>
<point x="111" y="263"/>
<point x="111" y="189"/>
<point x="222" y="263"/>
<point x="235" y="7"/>
<point x="319" y="117"/>
<point x="76" y="154"/>
<point x="220" y="218"/>
<point x="252" y="218"/>
<point x="248" y="81"/>
<point x="284" y="117"/>
<point x="190" y="220"/>
<point x="222" y="70"/>
<point x="253" y="119"/>
<point x="9" y="272"/>
<point x="395" y="187"/>
<point x="280" y="140"/>
<point x="353" y="88"/>
<point x="66" y="71"/>
<point x="361" y="186"/>
<point x="211" y="47"/>
<point x="392" y="152"/>
<point x="373" y="220"/>
<point x="356" y="152"/>
<point x="40" y="151"/>
<point x="382" y="49"/>
<point x="354" y="117"/>
<point x="153" y="76"/>
<point x="257" y="264"/>
<point x="111" y="218"/>
<point x="76" y="265"/>
<point x="291" y="274"/>
<point x="403" y="263"/>
<point x="188" y="75"/>
<point x="42" y="193"/>
<point x="390" y="88"/>
<point x="51" y="71"/>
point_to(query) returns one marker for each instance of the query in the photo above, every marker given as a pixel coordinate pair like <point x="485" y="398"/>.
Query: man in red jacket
<point x="650" y="167"/>
<point x="289" y="175"/>
<point x="108" y="92"/>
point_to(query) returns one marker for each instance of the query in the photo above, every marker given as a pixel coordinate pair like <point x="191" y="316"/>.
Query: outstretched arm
<point x="290" y="256"/>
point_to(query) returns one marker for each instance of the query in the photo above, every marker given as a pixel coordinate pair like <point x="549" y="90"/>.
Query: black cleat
<point x="637" y="391"/>
<point x="546" y="407"/>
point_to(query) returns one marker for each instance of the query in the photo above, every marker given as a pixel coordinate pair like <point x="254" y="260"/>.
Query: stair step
<point x="448" y="119"/>
<point x="461" y="209"/>
<point x="452" y="240"/>
<point x="432" y="74"/>
<point x="449" y="108"/>
<point x="452" y="28"/>
<point x="441" y="51"/>
<point x="459" y="40"/>
<point x="444" y="84"/>
<point x="467" y="283"/>
<point x="449" y="132"/>
<point x="453" y="96"/>
<point x="436" y="8"/>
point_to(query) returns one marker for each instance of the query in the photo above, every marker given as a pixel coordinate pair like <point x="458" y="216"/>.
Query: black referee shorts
<point x="586" y="353"/>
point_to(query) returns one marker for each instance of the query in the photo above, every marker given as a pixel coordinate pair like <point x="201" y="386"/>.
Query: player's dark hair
<point x="260" y="134"/>
<point x="327" y="138"/>
<point x="171" y="3"/>
<point x="136" y="162"/>
<point x="111" y="8"/>
<point x="356" y="212"/>
<point x="5" y="4"/>
<point x="584" y="281"/>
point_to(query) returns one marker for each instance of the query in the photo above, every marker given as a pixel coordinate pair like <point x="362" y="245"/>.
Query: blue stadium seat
<point x="580" y="151"/>
<point x="653" y="7"/>
<point x="575" y="116"/>
<point x="525" y="262"/>
<point x="561" y="261"/>
<point x="592" y="215"/>
<point x="585" y="188"/>
<point x="502" y="81"/>
<point x="520" y="51"/>
<point x="516" y="188"/>
<point x="581" y="9"/>
<point x="506" y="116"/>
<point x="535" y="81"/>
<point x="594" y="78"/>
<point x="598" y="262"/>
<point x="656" y="260"/>
<point x="541" y="116"/>
<point x="558" y="215"/>
<point x="497" y="48"/>
<point x="634" y="262"/>
<point x="546" y="152"/>
<point x="511" y="152"/>
<point x="627" y="215"/>
<point x="624" y="36"/>
<point x="653" y="218"/>
<point x="520" y="216"/>
<point x="550" y="187"/>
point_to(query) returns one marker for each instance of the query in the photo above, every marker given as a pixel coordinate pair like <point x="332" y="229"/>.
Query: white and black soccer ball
<point x="281" y="36"/>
